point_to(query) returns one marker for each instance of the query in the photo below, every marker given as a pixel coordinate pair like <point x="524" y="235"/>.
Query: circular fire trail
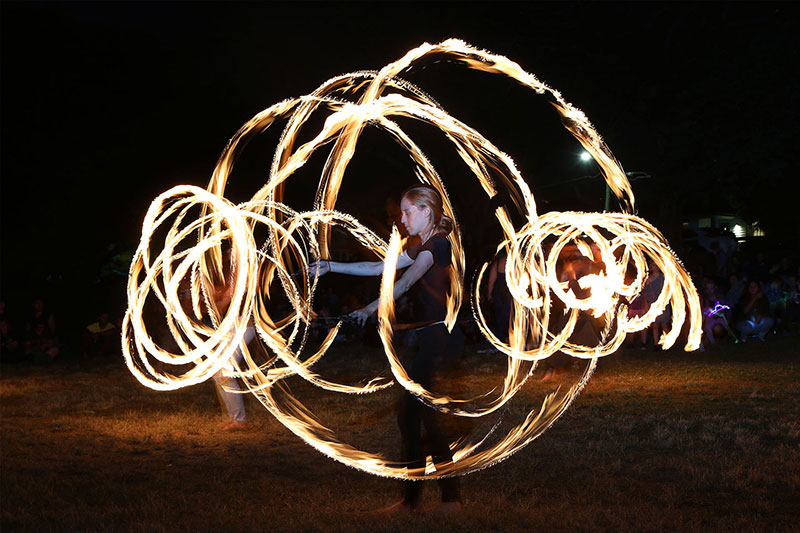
<point x="186" y="228"/>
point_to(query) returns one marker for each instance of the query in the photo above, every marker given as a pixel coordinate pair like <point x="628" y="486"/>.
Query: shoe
<point x="644" y="347"/>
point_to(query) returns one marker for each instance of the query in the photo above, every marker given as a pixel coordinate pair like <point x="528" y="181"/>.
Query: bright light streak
<point x="185" y="227"/>
<point x="718" y="308"/>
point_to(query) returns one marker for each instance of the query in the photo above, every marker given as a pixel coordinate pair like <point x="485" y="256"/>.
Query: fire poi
<point x="170" y="252"/>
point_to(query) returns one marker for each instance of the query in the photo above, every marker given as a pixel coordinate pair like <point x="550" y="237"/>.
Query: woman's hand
<point x="361" y="315"/>
<point x="319" y="268"/>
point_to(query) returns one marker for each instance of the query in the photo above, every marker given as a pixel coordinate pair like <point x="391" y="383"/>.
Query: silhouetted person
<point x="756" y="312"/>
<point x="228" y="388"/>
<point x="500" y="297"/>
<point x="41" y="346"/>
<point x="100" y="338"/>
<point x="40" y="315"/>
<point x="10" y="346"/>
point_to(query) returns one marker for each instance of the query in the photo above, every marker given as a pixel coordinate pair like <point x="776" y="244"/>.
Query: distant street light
<point x="586" y="157"/>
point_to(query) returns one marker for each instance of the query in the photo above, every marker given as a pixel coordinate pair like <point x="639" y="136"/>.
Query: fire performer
<point x="228" y="389"/>
<point x="428" y="267"/>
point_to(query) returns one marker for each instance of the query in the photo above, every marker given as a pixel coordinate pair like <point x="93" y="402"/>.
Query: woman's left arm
<point x="418" y="268"/>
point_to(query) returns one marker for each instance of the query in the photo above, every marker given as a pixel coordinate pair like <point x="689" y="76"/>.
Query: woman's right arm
<point x="361" y="268"/>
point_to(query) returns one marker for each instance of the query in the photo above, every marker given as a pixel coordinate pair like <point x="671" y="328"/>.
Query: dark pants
<point x="502" y="313"/>
<point x="437" y="359"/>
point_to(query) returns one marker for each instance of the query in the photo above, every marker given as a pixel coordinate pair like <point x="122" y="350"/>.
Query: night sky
<point x="106" y="105"/>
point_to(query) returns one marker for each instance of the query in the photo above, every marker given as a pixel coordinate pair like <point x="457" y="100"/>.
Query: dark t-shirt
<point x="431" y="290"/>
<point x="760" y="308"/>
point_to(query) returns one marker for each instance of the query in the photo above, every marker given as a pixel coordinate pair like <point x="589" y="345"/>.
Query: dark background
<point x="104" y="106"/>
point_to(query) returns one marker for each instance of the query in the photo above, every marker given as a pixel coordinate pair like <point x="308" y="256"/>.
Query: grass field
<point x="656" y="442"/>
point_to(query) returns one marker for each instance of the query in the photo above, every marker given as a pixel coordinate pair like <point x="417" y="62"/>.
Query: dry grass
<point x="676" y="442"/>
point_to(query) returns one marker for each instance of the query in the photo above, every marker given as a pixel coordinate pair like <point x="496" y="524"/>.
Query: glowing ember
<point x="191" y="225"/>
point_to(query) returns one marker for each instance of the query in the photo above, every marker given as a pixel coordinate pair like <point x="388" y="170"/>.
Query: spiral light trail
<point x="185" y="227"/>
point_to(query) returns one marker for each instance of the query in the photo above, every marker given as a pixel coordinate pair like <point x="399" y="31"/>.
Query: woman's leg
<point x="444" y="429"/>
<point x="745" y="328"/>
<point x="408" y="419"/>
<point x="436" y="428"/>
<point x="233" y="401"/>
<point x="765" y="327"/>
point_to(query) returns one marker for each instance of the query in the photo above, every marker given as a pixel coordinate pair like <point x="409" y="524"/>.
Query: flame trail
<point x="186" y="227"/>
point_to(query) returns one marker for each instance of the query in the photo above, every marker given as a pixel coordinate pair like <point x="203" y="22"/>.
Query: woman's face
<point x="416" y="219"/>
<point x="753" y="288"/>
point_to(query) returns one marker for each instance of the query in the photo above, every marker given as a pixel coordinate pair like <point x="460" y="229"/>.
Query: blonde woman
<point x="428" y="270"/>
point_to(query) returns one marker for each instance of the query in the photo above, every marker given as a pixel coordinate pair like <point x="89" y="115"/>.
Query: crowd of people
<point x="759" y="301"/>
<point x="34" y="336"/>
<point x="755" y="301"/>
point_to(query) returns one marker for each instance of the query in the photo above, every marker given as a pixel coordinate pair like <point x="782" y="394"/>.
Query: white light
<point x="586" y="156"/>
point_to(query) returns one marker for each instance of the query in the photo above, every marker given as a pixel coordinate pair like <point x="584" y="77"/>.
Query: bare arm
<point x="418" y="268"/>
<point x="361" y="268"/>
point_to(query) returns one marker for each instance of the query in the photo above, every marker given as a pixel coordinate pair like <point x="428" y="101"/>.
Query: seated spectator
<point x="778" y="297"/>
<point x="773" y="291"/>
<point x="100" y="338"/>
<point x="40" y="315"/>
<point x="42" y="346"/>
<point x="782" y="269"/>
<point x="10" y="347"/>
<point x="755" y="309"/>
<point x="714" y="320"/>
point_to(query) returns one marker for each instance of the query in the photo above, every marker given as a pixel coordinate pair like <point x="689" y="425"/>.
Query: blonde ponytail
<point x="445" y="224"/>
